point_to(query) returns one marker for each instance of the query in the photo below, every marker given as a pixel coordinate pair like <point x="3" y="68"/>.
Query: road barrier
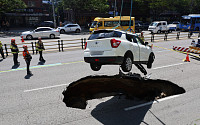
<point x="177" y="35"/>
<point x="50" y="46"/>
<point x="62" y="45"/>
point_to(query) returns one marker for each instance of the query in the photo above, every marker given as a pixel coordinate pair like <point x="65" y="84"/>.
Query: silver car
<point x="43" y="32"/>
<point x="70" y="28"/>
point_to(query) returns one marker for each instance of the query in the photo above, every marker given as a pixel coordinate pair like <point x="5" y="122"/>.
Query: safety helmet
<point x="24" y="46"/>
<point x="12" y="40"/>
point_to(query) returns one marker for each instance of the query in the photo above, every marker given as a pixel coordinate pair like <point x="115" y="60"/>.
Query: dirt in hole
<point x="93" y="87"/>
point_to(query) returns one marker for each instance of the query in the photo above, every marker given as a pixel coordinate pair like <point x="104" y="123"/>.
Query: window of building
<point x="31" y="3"/>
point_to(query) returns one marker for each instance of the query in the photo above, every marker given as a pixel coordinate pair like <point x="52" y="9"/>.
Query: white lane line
<point x="48" y="87"/>
<point x="168" y="66"/>
<point x="150" y="103"/>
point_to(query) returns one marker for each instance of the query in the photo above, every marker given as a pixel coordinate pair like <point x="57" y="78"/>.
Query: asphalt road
<point x="38" y="99"/>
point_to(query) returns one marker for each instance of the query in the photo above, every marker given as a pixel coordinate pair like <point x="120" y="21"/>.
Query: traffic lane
<point x="7" y="40"/>
<point x="75" y="77"/>
<point x="182" y="110"/>
<point x="51" y="58"/>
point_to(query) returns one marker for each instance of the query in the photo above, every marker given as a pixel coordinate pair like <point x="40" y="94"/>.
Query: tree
<point x="79" y="6"/>
<point x="11" y="5"/>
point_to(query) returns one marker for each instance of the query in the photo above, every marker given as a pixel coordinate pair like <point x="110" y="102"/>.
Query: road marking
<point x="150" y="103"/>
<point x="40" y="66"/>
<point x="48" y="87"/>
<point x="168" y="66"/>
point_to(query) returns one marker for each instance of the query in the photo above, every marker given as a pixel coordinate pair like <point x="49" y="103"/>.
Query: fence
<point x="50" y="46"/>
<point x="171" y="36"/>
<point x="62" y="45"/>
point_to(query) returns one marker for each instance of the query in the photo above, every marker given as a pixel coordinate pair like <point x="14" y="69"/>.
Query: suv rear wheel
<point x="95" y="67"/>
<point x="127" y="64"/>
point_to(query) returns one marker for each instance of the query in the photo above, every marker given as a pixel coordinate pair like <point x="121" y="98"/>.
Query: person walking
<point x="1" y="50"/>
<point x="15" y="51"/>
<point x="27" y="57"/>
<point x="40" y="48"/>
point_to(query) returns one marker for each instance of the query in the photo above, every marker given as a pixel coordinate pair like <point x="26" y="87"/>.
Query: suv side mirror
<point x="146" y="43"/>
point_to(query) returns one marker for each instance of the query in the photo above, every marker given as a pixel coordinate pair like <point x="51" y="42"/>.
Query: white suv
<point x="70" y="28"/>
<point x="117" y="47"/>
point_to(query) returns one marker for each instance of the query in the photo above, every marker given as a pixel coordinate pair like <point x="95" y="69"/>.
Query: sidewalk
<point x="14" y="31"/>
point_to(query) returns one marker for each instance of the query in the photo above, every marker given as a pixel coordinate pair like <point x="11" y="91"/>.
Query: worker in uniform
<point x="15" y="51"/>
<point x="27" y="58"/>
<point x="193" y="43"/>
<point x="198" y="43"/>
<point x="40" y="48"/>
<point x="142" y="36"/>
<point x="1" y="50"/>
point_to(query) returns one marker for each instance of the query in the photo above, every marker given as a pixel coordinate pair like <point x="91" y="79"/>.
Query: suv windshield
<point x="104" y="34"/>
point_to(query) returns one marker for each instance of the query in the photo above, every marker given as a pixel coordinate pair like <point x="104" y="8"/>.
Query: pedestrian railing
<point x="171" y="36"/>
<point x="50" y="46"/>
<point x="63" y="45"/>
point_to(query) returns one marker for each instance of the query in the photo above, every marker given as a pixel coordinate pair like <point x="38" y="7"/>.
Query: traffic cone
<point x="187" y="58"/>
<point x="22" y="39"/>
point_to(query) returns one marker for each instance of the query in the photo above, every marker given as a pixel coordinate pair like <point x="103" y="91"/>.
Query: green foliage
<point x="11" y="5"/>
<point x="181" y="6"/>
<point x="86" y="5"/>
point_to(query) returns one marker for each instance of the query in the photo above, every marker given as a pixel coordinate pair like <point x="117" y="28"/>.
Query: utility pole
<point x="54" y="18"/>
<point x="115" y="9"/>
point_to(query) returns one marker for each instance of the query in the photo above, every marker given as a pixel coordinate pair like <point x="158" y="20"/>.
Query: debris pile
<point x="93" y="87"/>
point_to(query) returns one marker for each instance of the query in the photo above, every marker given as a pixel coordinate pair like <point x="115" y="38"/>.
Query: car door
<point x="133" y="47"/>
<point x="38" y="33"/>
<point x="68" y="28"/>
<point x="46" y="32"/>
<point x="164" y="25"/>
<point x="143" y="49"/>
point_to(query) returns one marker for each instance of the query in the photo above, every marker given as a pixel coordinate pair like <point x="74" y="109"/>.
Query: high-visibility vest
<point x="14" y="49"/>
<point x="39" y="46"/>
<point x="1" y="45"/>
<point x="26" y="55"/>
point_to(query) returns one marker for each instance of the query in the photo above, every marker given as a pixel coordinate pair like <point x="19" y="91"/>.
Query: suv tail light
<point x="115" y="43"/>
<point x="85" y="45"/>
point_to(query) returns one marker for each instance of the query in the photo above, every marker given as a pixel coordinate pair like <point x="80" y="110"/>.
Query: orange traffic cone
<point x="187" y="58"/>
<point x="22" y="39"/>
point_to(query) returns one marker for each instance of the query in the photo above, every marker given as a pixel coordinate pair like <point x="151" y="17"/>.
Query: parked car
<point x="43" y="32"/>
<point x="70" y="28"/>
<point x="46" y="24"/>
<point x="158" y="27"/>
<point x="116" y="47"/>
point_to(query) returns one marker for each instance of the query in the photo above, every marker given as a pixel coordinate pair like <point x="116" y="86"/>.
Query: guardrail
<point x="50" y="46"/>
<point x="62" y="45"/>
<point x="170" y="36"/>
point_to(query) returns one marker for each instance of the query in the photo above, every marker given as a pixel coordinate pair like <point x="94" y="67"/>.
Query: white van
<point x="158" y="27"/>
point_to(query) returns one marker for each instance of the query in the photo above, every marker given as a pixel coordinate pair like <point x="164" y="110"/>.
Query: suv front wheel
<point x="95" y="67"/>
<point x="127" y="64"/>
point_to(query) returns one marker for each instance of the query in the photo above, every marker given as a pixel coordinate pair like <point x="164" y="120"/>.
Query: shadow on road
<point x="112" y="112"/>
<point x="1" y="60"/>
<point x="28" y="76"/>
<point x="15" y="66"/>
<point x="41" y="62"/>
